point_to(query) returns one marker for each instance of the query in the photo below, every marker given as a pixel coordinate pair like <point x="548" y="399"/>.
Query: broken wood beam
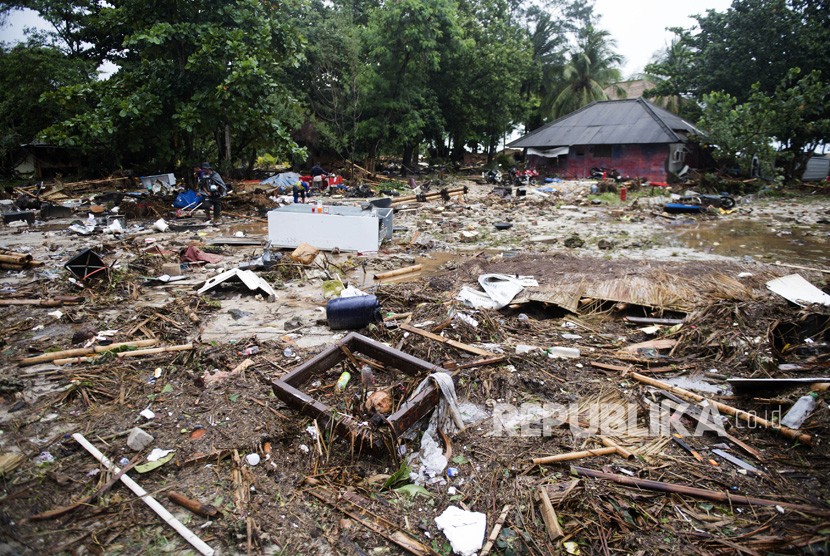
<point x="398" y="272"/>
<point x="749" y="418"/>
<point x="696" y="492"/>
<point x="453" y="343"/>
<point x="162" y="512"/>
<point x="46" y="357"/>
<point x="569" y="456"/>
<point x="549" y="514"/>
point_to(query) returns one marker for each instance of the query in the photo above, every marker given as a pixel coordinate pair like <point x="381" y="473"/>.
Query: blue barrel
<point x="349" y="313"/>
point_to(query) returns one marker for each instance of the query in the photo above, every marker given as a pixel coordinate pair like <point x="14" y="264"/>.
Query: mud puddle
<point x="790" y="244"/>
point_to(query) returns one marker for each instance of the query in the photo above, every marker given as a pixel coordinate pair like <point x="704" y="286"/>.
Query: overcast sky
<point x="638" y="26"/>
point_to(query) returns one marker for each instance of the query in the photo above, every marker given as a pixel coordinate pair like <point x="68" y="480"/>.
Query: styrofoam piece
<point x="465" y="530"/>
<point x="798" y="290"/>
<point x="247" y="277"/>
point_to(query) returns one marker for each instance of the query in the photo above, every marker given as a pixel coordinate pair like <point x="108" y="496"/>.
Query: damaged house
<point x="632" y="136"/>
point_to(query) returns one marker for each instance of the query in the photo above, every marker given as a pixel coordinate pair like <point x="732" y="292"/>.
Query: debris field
<point x="626" y="396"/>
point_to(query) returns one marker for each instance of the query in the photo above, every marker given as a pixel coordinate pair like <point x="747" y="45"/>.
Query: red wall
<point x="637" y="161"/>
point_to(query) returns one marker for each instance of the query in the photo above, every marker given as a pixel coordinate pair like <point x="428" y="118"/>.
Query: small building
<point x="632" y="136"/>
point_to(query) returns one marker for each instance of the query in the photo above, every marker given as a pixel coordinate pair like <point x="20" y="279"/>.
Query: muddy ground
<point x="597" y="261"/>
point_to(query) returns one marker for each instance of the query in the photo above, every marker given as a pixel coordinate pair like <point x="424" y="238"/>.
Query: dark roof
<point x="611" y="122"/>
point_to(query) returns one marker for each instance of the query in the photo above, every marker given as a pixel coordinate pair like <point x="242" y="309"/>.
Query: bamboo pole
<point x="430" y="195"/>
<point x="569" y="456"/>
<point x="134" y="353"/>
<point x="624" y="452"/>
<point x="162" y="512"/>
<point x="46" y="357"/>
<point x="151" y="351"/>
<point x="749" y="418"/>
<point x="15" y="259"/>
<point x="198" y="508"/>
<point x="703" y="493"/>
<point x="398" y="272"/>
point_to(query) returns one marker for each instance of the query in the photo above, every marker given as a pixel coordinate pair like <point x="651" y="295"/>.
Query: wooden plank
<point x="453" y="343"/>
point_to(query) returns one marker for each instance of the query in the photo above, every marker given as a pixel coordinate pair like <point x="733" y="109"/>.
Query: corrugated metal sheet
<point x="818" y="167"/>
<point x="614" y="122"/>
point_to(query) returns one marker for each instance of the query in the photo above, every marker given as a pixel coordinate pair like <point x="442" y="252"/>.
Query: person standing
<point x="317" y="174"/>
<point x="213" y="187"/>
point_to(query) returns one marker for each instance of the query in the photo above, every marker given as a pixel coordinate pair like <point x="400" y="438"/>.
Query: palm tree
<point x="592" y="67"/>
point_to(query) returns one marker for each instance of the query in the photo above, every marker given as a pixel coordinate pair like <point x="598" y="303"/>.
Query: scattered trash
<point x="252" y="459"/>
<point x="349" y="313"/>
<point x="499" y="290"/>
<point x="147" y="414"/>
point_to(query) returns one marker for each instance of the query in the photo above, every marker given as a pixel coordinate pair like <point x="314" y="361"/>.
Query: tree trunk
<point x="406" y="163"/>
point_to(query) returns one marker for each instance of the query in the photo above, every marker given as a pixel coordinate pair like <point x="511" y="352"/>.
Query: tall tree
<point x="403" y="44"/>
<point x="592" y="67"/>
<point x="754" y="41"/>
<point x="28" y="74"/>
<point x="194" y="77"/>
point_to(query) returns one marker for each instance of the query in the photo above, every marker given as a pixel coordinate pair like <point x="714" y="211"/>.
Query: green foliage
<point x="591" y="68"/>
<point x="795" y="115"/>
<point x="398" y="478"/>
<point x="28" y="74"/>
<point x="754" y="41"/>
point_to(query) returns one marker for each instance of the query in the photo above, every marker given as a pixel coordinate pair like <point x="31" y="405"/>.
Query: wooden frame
<point x="361" y="437"/>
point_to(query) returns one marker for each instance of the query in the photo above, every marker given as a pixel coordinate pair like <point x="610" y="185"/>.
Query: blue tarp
<point x="284" y="181"/>
<point x="187" y="199"/>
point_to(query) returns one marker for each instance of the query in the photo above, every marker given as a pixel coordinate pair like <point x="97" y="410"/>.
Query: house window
<point x="602" y="151"/>
<point x="679" y="155"/>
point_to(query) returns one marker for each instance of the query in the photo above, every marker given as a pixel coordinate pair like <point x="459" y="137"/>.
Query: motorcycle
<point x="600" y="173"/>
<point x="525" y="178"/>
<point x="722" y="200"/>
<point x="492" y="176"/>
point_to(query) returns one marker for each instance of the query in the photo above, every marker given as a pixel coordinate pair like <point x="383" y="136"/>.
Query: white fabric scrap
<point x="446" y="418"/>
<point x="465" y="530"/>
<point x="499" y="290"/>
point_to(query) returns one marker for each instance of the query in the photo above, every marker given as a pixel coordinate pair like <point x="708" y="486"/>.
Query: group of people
<point x="213" y="188"/>
<point x="301" y="188"/>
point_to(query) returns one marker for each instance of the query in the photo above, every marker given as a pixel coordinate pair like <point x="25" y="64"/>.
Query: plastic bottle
<point x="799" y="412"/>
<point x="343" y="381"/>
<point x="563" y="352"/>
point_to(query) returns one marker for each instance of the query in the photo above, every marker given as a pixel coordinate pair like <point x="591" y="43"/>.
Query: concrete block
<point x="138" y="439"/>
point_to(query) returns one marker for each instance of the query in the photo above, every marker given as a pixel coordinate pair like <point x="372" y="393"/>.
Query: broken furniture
<point x="363" y="437"/>
<point x="347" y="228"/>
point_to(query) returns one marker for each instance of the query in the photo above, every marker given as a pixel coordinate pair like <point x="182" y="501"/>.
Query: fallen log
<point x="696" y="492"/>
<point x="42" y="302"/>
<point x="749" y="418"/>
<point x="46" y="357"/>
<point x="168" y="518"/>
